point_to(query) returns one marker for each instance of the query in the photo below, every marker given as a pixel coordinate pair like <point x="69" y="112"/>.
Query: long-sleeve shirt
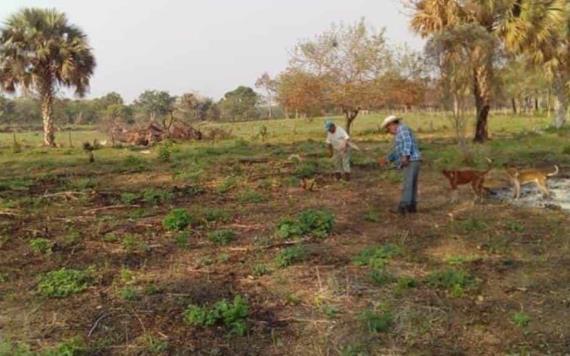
<point x="405" y="144"/>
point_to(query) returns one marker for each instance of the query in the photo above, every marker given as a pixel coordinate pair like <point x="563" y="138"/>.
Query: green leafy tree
<point x="157" y="104"/>
<point x="41" y="51"/>
<point x="239" y="104"/>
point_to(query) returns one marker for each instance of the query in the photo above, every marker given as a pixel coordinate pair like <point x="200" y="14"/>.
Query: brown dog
<point x="525" y="176"/>
<point x="467" y="176"/>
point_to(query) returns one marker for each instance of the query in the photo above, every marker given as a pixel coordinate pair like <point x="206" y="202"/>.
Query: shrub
<point x="64" y="282"/>
<point x="222" y="237"/>
<point x="129" y="293"/>
<point x="181" y="240"/>
<point x="381" y="277"/>
<point x="318" y="223"/>
<point x="291" y="255"/>
<point x="455" y="281"/>
<point x="377" y="322"/>
<point x="376" y="257"/>
<point x="164" y="152"/>
<point x="251" y="197"/>
<point x="521" y="319"/>
<point x="259" y="270"/>
<point x="177" y="220"/>
<point x="233" y="315"/>
<point x="129" y="198"/>
<point x="41" y="245"/>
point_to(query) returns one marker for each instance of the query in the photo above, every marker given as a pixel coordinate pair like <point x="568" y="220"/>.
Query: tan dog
<point x="525" y="176"/>
<point x="467" y="176"/>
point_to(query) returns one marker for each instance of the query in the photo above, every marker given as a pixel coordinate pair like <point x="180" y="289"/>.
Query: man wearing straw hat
<point x="406" y="156"/>
<point x="339" y="145"/>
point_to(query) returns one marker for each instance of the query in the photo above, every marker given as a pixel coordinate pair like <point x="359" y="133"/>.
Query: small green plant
<point x="330" y="311"/>
<point x="181" y="239"/>
<point x="131" y="243"/>
<point x="381" y="277"/>
<point x="156" y="196"/>
<point x="259" y="270"/>
<point x="156" y="346"/>
<point x="129" y="198"/>
<point x="41" y="246"/>
<point x="222" y="237"/>
<point x="372" y="216"/>
<point x="251" y="197"/>
<point x="377" y="322"/>
<point x="377" y="257"/>
<point x="291" y="255"/>
<point x="233" y="315"/>
<point x="64" y="282"/>
<point x="177" y="220"/>
<point x="473" y="225"/>
<point x="216" y="214"/>
<point x="9" y="348"/>
<point x="454" y="281"/>
<point x="164" y="152"/>
<point x="227" y="185"/>
<point x="313" y="222"/>
<point x="521" y="319"/>
<point x="566" y="150"/>
<point x="129" y="294"/>
<point x="71" y="347"/>
<point x="405" y="283"/>
<point x="126" y="276"/>
<point x="514" y="226"/>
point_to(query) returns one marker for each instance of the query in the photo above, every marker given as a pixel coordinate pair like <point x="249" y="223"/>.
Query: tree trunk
<point x="350" y="116"/>
<point x="482" y="92"/>
<point x="270" y="106"/>
<point x="47" y="115"/>
<point x="561" y="100"/>
<point x="514" y="104"/>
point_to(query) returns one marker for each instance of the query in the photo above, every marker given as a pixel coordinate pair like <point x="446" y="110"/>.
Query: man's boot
<point x="412" y="209"/>
<point x="347" y="177"/>
<point x="338" y="176"/>
<point x="400" y="210"/>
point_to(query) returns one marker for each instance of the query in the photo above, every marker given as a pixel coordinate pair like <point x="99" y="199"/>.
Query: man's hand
<point x="383" y="162"/>
<point x="405" y="161"/>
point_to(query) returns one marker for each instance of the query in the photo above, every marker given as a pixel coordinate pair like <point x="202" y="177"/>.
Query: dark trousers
<point x="410" y="188"/>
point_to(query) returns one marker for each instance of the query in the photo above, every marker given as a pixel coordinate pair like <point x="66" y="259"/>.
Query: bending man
<point x="339" y="149"/>
<point x="406" y="156"/>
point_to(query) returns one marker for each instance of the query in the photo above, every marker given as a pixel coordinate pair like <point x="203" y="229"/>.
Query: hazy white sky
<point x="207" y="46"/>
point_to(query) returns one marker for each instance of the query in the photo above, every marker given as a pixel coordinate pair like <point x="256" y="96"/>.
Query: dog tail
<point x="555" y="173"/>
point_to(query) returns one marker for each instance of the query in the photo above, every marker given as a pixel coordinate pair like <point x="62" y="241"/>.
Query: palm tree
<point x="41" y="52"/>
<point x="497" y="17"/>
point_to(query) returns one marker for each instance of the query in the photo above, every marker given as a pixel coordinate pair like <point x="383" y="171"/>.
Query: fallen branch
<point x="112" y="207"/>
<point x="97" y="323"/>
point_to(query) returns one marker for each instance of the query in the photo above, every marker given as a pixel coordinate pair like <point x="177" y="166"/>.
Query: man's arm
<point x="406" y="150"/>
<point x="330" y="148"/>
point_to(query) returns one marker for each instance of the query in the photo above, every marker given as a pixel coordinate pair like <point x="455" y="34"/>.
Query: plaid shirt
<point x="404" y="145"/>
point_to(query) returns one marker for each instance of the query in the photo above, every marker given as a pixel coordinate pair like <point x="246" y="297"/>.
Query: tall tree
<point x="41" y="51"/>
<point x="430" y="17"/>
<point x="301" y="93"/>
<point x="268" y="84"/>
<point x="239" y="104"/>
<point x="157" y="105"/>
<point x="349" y="58"/>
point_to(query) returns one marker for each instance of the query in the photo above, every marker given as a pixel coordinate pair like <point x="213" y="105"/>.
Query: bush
<point x="381" y="277"/>
<point x="376" y="257"/>
<point x="64" y="282"/>
<point x="291" y="255"/>
<point x="177" y="220"/>
<point x="455" y="281"/>
<point x="233" y="315"/>
<point x="164" y="152"/>
<point x="41" y="245"/>
<point x="222" y="237"/>
<point x="318" y="223"/>
<point x="377" y="322"/>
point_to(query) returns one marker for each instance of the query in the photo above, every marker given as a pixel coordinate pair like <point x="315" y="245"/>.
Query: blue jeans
<point x="410" y="188"/>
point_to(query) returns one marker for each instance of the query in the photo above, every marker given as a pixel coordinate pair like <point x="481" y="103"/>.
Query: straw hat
<point x="390" y="119"/>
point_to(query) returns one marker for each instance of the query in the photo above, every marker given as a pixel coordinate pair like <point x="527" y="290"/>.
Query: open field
<point x="96" y="260"/>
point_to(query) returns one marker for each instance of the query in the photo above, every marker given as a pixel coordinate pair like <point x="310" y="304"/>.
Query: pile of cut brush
<point x="153" y="133"/>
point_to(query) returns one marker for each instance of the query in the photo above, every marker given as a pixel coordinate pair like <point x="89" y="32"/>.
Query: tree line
<point x="479" y="55"/>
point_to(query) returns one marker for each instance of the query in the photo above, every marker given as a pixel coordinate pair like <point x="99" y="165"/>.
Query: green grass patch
<point x="377" y="257"/>
<point x="453" y="280"/>
<point x="222" y="237"/>
<point x="377" y="321"/>
<point x="232" y="315"/>
<point x="291" y="255"/>
<point x="41" y="246"/>
<point x="177" y="220"/>
<point x="64" y="282"/>
<point x="521" y="319"/>
<point x="312" y="222"/>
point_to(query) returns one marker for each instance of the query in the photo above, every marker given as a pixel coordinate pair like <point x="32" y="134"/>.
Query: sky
<point x="202" y="46"/>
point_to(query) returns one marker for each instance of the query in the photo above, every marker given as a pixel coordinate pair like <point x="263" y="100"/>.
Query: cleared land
<point x="133" y="277"/>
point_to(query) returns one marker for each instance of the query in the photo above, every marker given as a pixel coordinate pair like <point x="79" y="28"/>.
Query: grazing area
<point x="216" y="247"/>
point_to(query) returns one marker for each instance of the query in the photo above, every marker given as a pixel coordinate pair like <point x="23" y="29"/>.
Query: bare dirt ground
<point x="507" y="290"/>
